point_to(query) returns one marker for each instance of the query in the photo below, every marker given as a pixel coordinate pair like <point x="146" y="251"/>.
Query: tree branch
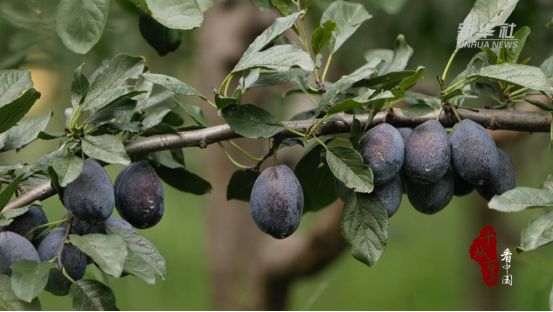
<point x="491" y="119"/>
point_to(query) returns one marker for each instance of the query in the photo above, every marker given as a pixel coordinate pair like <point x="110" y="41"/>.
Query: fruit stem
<point x="454" y="109"/>
<point x="327" y="65"/>
<point x="320" y="142"/>
<point x="453" y="86"/>
<point x="517" y="92"/>
<point x="67" y="275"/>
<point x="243" y="151"/>
<point x="49" y="224"/>
<point x="74" y="117"/>
<point x="227" y="84"/>
<point x="65" y="236"/>
<point x="448" y="65"/>
<point x="211" y="103"/>
<point x="222" y="86"/>
<point x="296" y="132"/>
<point x="230" y="158"/>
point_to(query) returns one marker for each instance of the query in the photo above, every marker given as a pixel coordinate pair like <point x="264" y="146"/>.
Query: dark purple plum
<point x="383" y="151"/>
<point x="462" y="186"/>
<point x="27" y="222"/>
<point x="431" y="198"/>
<point x="277" y="201"/>
<point x="14" y="247"/>
<point x="90" y="196"/>
<point x="118" y="223"/>
<point x="139" y="195"/>
<point x="405" y="133"/>
<point x="427" y="153"/>
<point x="389" y="195"/>
<point x="474" y="153"/>
<point x="503" y="181"/>
<point x="73" y="261"/>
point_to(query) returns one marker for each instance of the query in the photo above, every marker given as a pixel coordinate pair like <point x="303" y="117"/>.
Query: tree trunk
<point x="232" y="236"/>
<point x="248" y="269"/>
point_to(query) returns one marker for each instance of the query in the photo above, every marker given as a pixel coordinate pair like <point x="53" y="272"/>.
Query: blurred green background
<point x="426" y="264"/>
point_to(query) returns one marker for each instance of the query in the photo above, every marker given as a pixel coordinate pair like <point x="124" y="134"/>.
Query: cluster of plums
<point x="90" y="200"/>
<point x="432" y="166"/>
<point x="425" y="162"/>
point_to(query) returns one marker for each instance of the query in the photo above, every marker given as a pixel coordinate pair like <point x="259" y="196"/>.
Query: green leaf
<point x="385" y="55"/>
<point x="195" y="112"/>
<point x="316" y="179"/>
<point x="183" y="180"/>
<point x="251" y="121"/>
<point x="9" y="190"/>
<point x="523" y="75"/>
<point x="23" y="133"/>
<point x="241" y="184"/>
<point x="9" y="301"/>
<point x="143" y="259"/>
<point x="356" y="133"/>
<point x="485" y="14"/>
<point x="271" y="78"/>
<point x="547" y="68"/>
<point x="6" y="217"/>
<point x="80" y="23"/>
<point x="401" y="55"/>
<point x="90" y="295"/>
<point x="285" y="7"/>
<point x="29" y="278"/>
<point x="79" y="86"/>
<point x="513" y="53"/>
<point x="349" y="104"/>
<point x="279" y="58"/>
<point x="107" y="251"/>
<point x="11" y="113"/>
<point x="177" y="14"/>
<point x="347" y="166"/>
<point x="364" y="226"/>
<point x="172" y="84"/>
<point x="279" y="26"/>
<point x="105" y="147"/>
<point x="12" y="84"/>
<point x="67" y="168"/>
<point x="414" y="98"/>
<point x="344" y="83"/>
<point x="155" y="117"/>
<point x="478" y="61"/>
<point x="416" y="110"/>
<point x="167" y="158"/>
<point x="348" y="17"/>
<point x="120" y="108"/>
<point x="410" y="81"/>
<point x="223" y="102"/>
<point x="322" y="36"/>
<point x="521" y="198"/>
<point x="539" y="232"/>
<point x="110" y="82"/>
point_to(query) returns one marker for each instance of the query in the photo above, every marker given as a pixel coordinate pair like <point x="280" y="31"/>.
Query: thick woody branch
<point x="491" y="119"/>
